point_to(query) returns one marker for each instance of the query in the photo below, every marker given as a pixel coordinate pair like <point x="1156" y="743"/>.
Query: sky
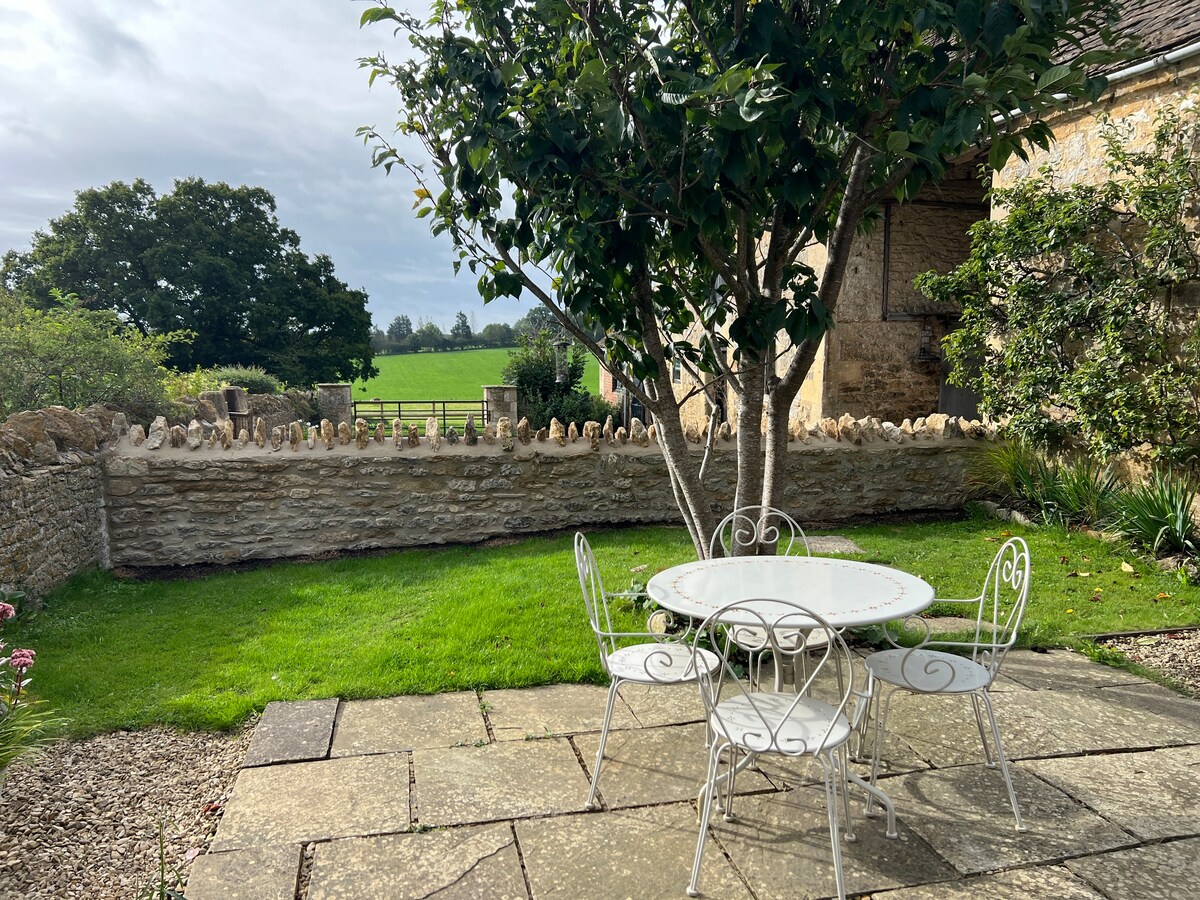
<point x="257" y="92"/>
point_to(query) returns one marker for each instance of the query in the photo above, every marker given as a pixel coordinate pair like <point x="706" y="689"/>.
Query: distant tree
<point x="430" y="337"/>
<point x="461" y="329"/>
<point x="538" y="319"/>
<point x="380" y="342"/>
<point x="400" y="328"/>
<point x="207" y="258"/>
<point x="498" y="334"/>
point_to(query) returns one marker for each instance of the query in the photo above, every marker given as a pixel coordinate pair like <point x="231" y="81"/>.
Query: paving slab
<point x="408" y="723"/>
<point x="643" y="853"/>
<point x="1152" y="795"/>
<point x="1019" y="884"/>
<point x="664" y="704"/>
<point x="557" y="709"/>
<point x="964" y="814"/>
<point x="942" y="730"/>
<point x="656" y="765"/>
<point x="255" y="873"/>
<point x="453" y="864"/>
<point x="780" y="844"/>
<point x="312" y="801"/>
<point x="291" y="732"/>
<point x="464" y="785"/>
<point x="1159" y="872"/>
<point x="1062" y="670"/>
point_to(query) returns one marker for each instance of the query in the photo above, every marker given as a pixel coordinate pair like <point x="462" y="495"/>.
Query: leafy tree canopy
<point x="1080" y="317"/>
<point x="207" y="258"/>
<point x="549" y="382"/>
<point x="400" y="328"/>
<point x="655" y="172"/>
<point x="461" y="329"/>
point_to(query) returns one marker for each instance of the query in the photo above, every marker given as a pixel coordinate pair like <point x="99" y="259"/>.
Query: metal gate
<point x="447" y="412"/>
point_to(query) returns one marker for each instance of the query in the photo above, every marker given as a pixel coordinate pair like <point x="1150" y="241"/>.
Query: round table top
<point x="844" y="592"/>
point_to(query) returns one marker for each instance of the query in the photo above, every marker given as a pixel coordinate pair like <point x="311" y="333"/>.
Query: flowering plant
<point x="25" y="725"/>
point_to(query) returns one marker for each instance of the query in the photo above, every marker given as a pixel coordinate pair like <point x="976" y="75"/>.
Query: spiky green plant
<point x="1158" y="514"/>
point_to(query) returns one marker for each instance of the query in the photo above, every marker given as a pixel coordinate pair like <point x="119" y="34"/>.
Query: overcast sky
<point x="258" y="92"/>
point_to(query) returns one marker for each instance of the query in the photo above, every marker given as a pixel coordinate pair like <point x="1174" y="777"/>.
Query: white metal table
<point x="845" y="593"/>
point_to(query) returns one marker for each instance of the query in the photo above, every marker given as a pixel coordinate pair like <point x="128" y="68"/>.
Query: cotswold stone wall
<point x="52" y="521"/>
<point x="176" y="506"/>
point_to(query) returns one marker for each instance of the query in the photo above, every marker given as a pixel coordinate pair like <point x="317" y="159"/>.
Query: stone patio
<point x="482" y="795"/>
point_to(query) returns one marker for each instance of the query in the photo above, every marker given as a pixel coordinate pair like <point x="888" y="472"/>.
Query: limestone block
<point x="692" y="433"/>
<point x="214" y="438"/>
<point x="557" y="433"/>
<point x="953" y="428"/>
<point x="433" y="434"/>
<point x="907" y="427"/>
<point x="876" y="427"/>
<point x="194" y="435"/>
<point x="489" y="433"/>
<point x="277" y="437"/>
<point x="397" y="433"/>
<point x="178" y="436"/>
<point x="572" y="432"/>
<point x="295" y="435"/>
<point x="637" y="432"/>
<point x="621" y="437"/>
<point x="158" y="433"/>
<point x="936" y="425"/>
<point x="591" y="434"/>
<point x="380" y="433"/>
<point x="543" y="434"/>
<point x="345" y="436"/>
<point x="137" y="435"/>
<point x="849" y="429"/>
<point x="893" y="432"/>
<point x="451" y="435"/>
<point x="830" y="428"/>
<point x="243" y="439"/>
<point x="414" y="435"/>
<point x="120" y="427"/>
<point x="725" y="431"/>
<point x="327" y="433"/>
<point x="70" y="430"/>
<point x="610" y="436"/>
<point x="313" y="431"/>
<point x="523" y="434"/>
<point x="918" y="427"/>
<point x="227" y="435"/>
<point x="505" y="432"/>
<point x="260" y="432"/>
<point x="470" y="433"/>
<point x="652" y="433"/>
<point x="362" y="433"/>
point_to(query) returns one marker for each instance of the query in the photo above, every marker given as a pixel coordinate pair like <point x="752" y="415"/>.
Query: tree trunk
<point x="749" y="444"/>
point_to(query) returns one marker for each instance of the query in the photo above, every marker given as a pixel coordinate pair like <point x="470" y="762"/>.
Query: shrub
<point x="534" y="368"/>
<point x="25" y="725"/>
<point x="255" y="380"/>
<point x="1158" y="515"/>
<point x="1071" y="492"/>
<point x="1083" y="492"/>
<point x="190" y="384"/>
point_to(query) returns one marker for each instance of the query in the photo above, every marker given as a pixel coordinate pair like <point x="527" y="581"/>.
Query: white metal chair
<point x="745" y="723"/>
<point x="658" y="658"/>
<point x="744" y="532"/>
<point x="929" y="667"/>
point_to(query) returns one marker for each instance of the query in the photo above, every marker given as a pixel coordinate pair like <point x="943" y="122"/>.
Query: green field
<point x="452" y="375"/>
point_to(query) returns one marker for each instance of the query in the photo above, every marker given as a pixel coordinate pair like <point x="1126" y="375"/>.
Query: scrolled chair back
<point x="594" y="598"/>
<point x="755" y="530"/>
<point x="746" y="631"/>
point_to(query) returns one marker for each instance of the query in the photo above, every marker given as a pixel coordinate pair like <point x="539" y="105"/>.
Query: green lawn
<point x="452" y="375"/>
<point x="205" y="653"/>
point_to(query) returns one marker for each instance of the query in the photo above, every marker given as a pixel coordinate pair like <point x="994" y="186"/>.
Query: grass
<point x="205" y="653"/>
<point x="452" y="375"/>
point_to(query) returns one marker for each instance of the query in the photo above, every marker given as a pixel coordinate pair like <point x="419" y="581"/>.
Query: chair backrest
<point x="1002" y="604"/>
<point x="751" y="530"/>
<point x="786" y="631"/>
<point x="594" y="597"/>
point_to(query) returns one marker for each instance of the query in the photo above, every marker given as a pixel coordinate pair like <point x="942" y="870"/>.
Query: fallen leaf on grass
<point x="641" y="568"/>
<point x="1162" y="595"/>
<point x="1070" y="610"/>
<point x="1064" y="559"/>
<point x="1127" y="568"/>
<point x="1079" y="574"/>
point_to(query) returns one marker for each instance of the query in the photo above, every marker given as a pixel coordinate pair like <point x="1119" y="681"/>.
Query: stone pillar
<point x="333" y="403"/>
<point x="501" y="400"/>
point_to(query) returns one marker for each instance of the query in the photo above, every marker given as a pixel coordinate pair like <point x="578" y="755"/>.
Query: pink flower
<point x="22" y="659"/>
<point x="7" y="611"/>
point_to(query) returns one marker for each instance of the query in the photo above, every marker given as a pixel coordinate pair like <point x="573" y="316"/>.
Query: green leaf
<point x="897" y="142"/>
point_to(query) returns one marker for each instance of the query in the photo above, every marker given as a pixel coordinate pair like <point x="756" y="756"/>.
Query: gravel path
<point x="1175" y="655"/>
<point x="82" y="820"/>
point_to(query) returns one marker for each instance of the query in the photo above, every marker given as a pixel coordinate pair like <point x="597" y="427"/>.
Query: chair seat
<point x="928" y="671"/>
<point x="653" y="663"/>
<point x="753" y="637"/>
<point x="761" y="722"/>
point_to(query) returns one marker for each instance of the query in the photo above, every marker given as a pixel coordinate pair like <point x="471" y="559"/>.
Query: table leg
<point x="883" y="798"/>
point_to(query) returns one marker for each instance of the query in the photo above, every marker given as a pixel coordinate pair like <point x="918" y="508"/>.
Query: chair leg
<point x="882" y="705"/>
<point x="987" y="750"/>
<point x="608" y="711"/>
<point x="710" y="787"/>
<point x="1012" y="794"/>
<point x="831" y="805"/>
<point x="844" y="784"/>
<point x="862" y="717"/>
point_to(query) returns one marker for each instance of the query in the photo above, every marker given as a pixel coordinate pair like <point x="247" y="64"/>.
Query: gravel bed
<point x="1175" y="655"/>
<point x="82" y="820"/>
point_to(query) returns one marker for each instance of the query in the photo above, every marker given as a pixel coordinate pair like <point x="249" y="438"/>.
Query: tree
<point x="656" y="172"/>
<point x="207" y="258"/>
<point x="498" y="334"/>
<point x="549" y="382"/>
<point x="400" y="328"/>
<point x="72" y="356"/>
<point x="538" y="319"/>
<point x="461" y="329"/>
<point x="429" y="337"/>
<point x="1072" y="326"/>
